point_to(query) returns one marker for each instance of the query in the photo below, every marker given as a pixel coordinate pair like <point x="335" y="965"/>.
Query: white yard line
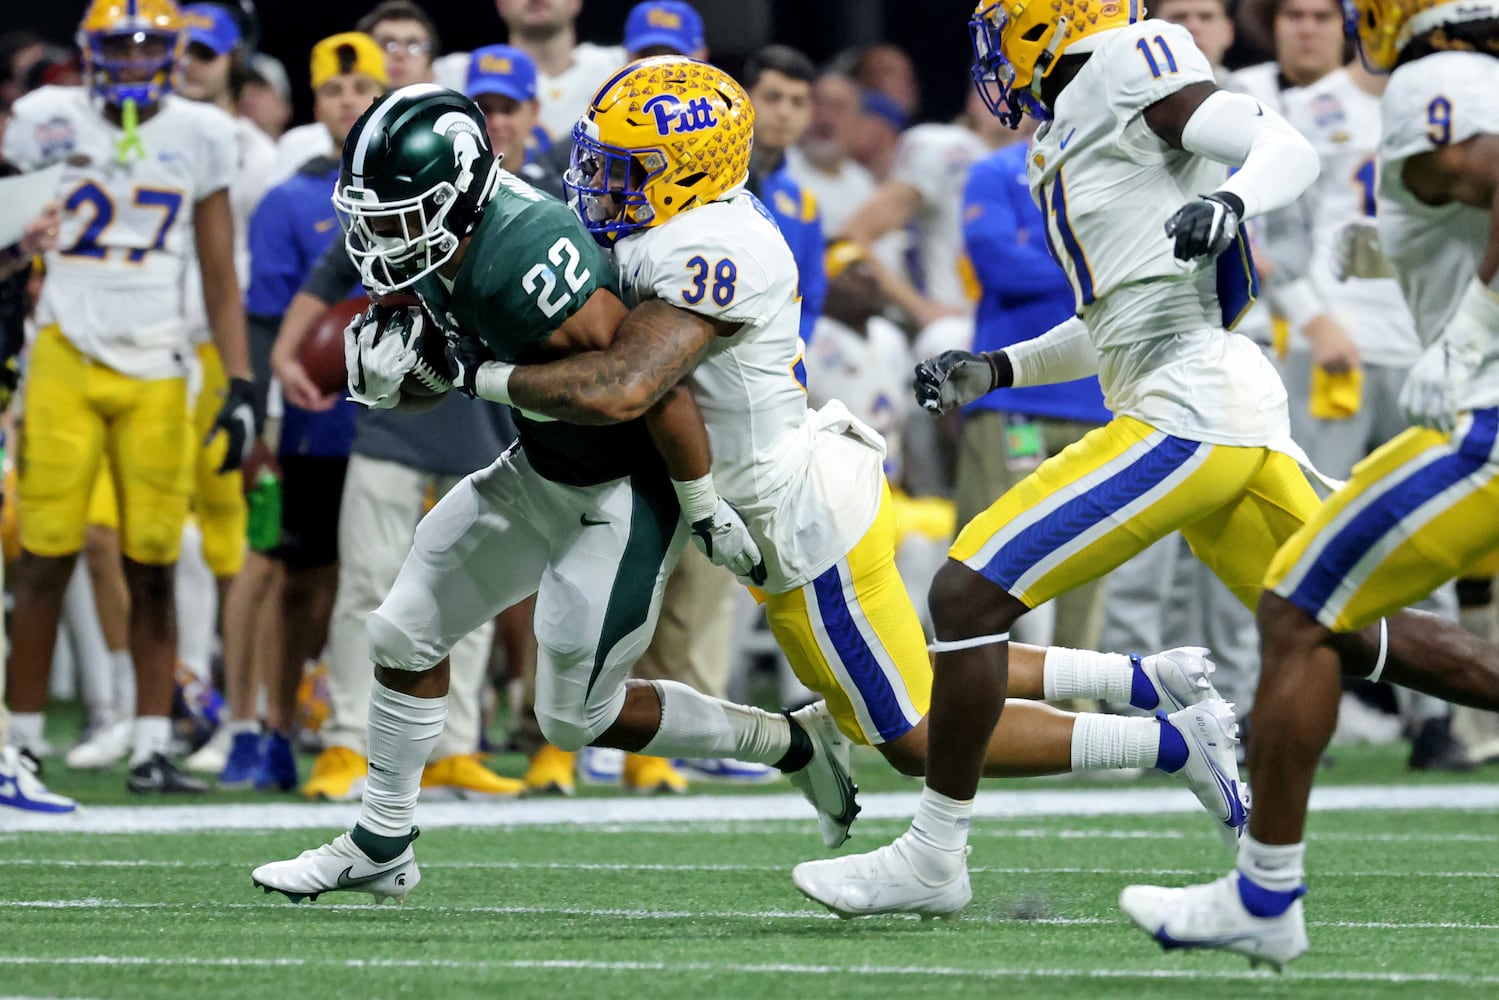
<point x="642" y="914"/>
<point x="944" y="971"/>
<point x="1006" y="803"/>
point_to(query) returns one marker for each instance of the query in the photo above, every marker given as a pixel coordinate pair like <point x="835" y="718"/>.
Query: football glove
<point x="954" y="378"/>
<point x="1205" y="228"/>
<point x="1434" y="387"/>
<point x="718" y="531"/>
<point x="237" y="420"/>
<point x="1357" y="253"/>
<point x="464" y="359"/>
<point x="377" y="359"/>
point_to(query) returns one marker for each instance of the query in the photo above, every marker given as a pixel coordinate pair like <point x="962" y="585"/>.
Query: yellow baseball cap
<point x="347" y="52"/>
<point x="840" y="256"/>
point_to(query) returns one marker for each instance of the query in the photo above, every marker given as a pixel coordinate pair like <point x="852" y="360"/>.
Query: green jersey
<point x="529" y="266"/>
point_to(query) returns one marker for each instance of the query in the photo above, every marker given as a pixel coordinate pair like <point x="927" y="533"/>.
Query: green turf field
<point x="1402" y="903"/>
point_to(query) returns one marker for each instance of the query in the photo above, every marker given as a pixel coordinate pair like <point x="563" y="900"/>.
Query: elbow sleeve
<point x="1276" y="164"/>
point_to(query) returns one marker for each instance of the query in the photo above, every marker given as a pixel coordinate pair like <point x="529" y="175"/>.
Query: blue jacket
<point x="795" y="212"/>
<point x="1025" y="292"/>
<point x="289" y="231"/>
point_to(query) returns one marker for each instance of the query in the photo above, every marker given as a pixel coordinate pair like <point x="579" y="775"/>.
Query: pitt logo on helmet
<point x="673" y="116"/>
<point x="1016" y="44"/>
<point x="662" y="136"/>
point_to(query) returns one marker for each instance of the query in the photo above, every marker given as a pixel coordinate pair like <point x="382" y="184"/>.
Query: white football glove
<point x="1357" y="253"/>
<point x="718" y="531"/>
<point x="1434" y="388"/>
<point x="377" y="364"/>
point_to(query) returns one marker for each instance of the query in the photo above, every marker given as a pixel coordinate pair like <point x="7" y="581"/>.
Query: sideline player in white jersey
<point x="141" y="168"/>
<point x="1200" y="442"/>
<point x="713" y="286"/>
<point x="1418" y="511"/>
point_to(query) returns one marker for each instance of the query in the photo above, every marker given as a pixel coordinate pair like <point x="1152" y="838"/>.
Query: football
<point x="432" y="375"/>
<point x="322" y="353"/>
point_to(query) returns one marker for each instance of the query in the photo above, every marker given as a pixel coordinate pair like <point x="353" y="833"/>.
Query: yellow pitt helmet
<point x="665" y="135"/>
<point x="1383" y="27"/>
<point x="118" y="37"/>
<point x="1016" y="44"/>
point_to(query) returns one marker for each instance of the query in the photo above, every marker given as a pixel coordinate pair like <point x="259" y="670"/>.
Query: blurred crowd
<point x="911" y="237"/>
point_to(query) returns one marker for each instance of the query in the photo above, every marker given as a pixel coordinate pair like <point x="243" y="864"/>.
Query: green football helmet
<point x="417" y="172"/>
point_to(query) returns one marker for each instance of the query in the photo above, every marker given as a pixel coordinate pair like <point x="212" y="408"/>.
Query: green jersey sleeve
<point x="530" y="266"/>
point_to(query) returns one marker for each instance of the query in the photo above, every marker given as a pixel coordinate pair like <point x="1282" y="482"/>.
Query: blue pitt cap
<point x="211" y="25"/>
<point x="501" y="69"/>
<point x="670" y="23"/>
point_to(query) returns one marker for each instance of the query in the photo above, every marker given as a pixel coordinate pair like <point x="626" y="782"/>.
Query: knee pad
<point x="223" y="546"/>
<point x="575" y="727"/>
<point x="564" y="734"/>
<point x="393" y="648"/>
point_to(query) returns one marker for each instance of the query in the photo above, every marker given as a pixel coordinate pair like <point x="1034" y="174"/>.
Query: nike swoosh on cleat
<point x="1168" y="942"/>
<point x="346" y="882"/>
<point x="589" y="522"/>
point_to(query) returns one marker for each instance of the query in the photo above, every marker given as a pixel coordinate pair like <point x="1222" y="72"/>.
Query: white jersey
<point x="295" y="147"/>
<point x="869" y="371"/>
<point x="839" y="195"/>
<point x="114" y="285"/>
<point x="935" y="160"/>
<point x="256" y="152"/>
<point x="1107" y="184"/>
<point x="807" y="483"/>
<point x="1341" y="121"/>
<point x="1435" y="101"/>
<point x="565" y="97"/>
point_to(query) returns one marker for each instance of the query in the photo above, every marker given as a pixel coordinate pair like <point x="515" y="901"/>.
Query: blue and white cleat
<point x="340" y="866"/>
<point x="1213" y="916"/>
<point x="20" y="788"/>
<point x="1182" y="676"/>
<point x="1210" y="731"/>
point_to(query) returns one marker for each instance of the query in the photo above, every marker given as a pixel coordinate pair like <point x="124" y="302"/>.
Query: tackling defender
<point x="1200" y="441"/>
<point x="658" y="171"/>
<point x="1418" y="511"/>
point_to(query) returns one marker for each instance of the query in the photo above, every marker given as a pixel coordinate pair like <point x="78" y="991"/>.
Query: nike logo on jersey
<point x="589" y="522"/>
<point x="1067" y="139"/>
<point x="345" y="881"/>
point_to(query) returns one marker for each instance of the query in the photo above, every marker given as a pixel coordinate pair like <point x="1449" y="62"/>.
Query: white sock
<point x="26" y="729"/>
<point x="402" y="731"/>
<point x="1277" y="867"/>
<point x="153" y="735"/>
<point x="196" y="598"/>
<point x="938" y="834"/>
<point x="695" y="725"/>
<point x="1111" y="742"/>
<point x="124" y="683"/>
<point x="1082" y="673"/>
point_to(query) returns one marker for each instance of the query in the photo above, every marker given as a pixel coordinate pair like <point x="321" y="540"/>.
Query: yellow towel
<point x="1336" y="396"/>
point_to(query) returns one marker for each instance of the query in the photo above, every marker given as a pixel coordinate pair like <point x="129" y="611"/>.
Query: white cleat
<point x="340" y="866"/>
<point x="1212" y="916"/>
<point x="105" y="748"/>
<point x="211" y="757"/>
<point x="1211" y="730"/>
<point x="825" y="781"/>
<point x="1182" y="676"/>
<point x="882" y="881"/>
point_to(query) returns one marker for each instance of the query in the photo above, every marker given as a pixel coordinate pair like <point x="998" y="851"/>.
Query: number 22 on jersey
<point x="90" y="242"/>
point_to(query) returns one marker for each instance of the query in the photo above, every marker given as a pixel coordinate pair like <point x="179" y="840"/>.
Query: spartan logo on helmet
<point x="460" y="130"/>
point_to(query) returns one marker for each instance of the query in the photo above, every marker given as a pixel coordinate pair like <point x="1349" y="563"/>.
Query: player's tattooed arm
<point x="653" y="350"/>
<point x="676" y="427"/>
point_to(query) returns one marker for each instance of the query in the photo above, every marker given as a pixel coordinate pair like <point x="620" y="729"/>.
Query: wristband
<point x="698" y="498"/>
<point x="492" y="381"/>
